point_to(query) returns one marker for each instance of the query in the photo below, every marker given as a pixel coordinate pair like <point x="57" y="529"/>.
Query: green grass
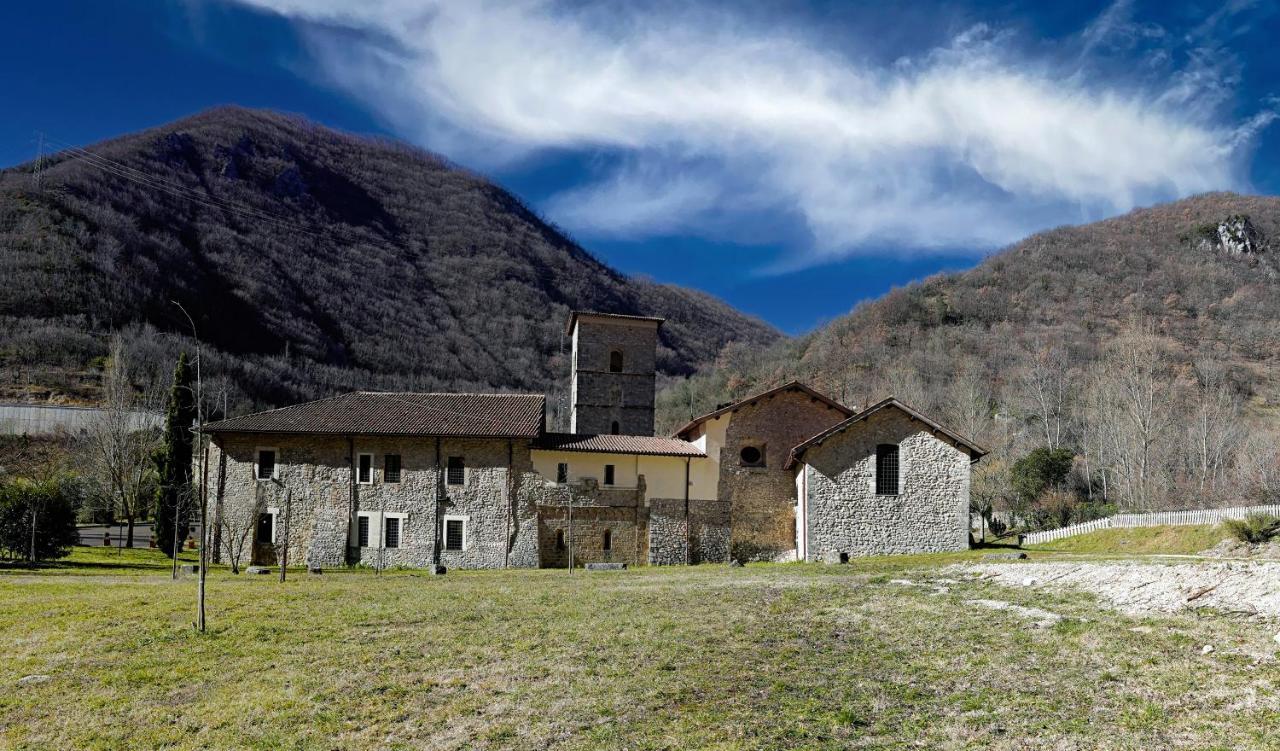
<point x="762" y="657"/>
<point x="1173" y="540"/>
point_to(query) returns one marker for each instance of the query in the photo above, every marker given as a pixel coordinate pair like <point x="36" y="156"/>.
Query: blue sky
<point x="791" y="158"/>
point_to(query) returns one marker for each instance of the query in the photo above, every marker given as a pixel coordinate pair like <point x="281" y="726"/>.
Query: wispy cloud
<point x="965" y="146"/>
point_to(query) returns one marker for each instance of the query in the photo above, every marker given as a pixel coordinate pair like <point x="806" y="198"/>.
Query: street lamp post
<point x="204" y="478"/>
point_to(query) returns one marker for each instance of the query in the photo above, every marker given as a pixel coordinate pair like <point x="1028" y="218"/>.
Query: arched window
<point x="615" y="361"/>
<point x="887" y="469"/>
<point x="614" y="428"/>
<point x="559" y="539"/>
<point x="608" y="540"/>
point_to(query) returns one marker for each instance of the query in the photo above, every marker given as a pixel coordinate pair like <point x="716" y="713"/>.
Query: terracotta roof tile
<point x="409" y="414"/>
<point x="617" y="444"/>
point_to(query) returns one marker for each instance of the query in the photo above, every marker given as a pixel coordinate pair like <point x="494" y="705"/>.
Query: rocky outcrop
<point x="1234" y="235"/>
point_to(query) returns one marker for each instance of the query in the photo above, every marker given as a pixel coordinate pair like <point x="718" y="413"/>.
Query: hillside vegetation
<point x="1147" y="344"/>
<point x="311" y="261"/>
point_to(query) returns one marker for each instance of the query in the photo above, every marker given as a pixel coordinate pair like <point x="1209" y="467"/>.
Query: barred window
<point x="455" y="534"/>
<point x="391" y="468"/>
<point x="364" y="473"/>
<point x="887" y="469"/>
<point x="362" y="532"/>
<point x="391" y="536"/>
<point x="457" y="474"/>
<point x="608" y="474"/>
<point x="562" y="473"/>
<point x="266" y="469"/>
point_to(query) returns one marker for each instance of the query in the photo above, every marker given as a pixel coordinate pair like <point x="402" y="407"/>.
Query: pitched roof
<point x="975" y="451"/>
<point x="575" y="314"/>
<point x="407" y="414"/>
<point x="792" y="386"/>
<point x="646" y="445"/>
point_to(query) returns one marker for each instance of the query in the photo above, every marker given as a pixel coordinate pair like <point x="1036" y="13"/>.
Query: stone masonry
<point x="846" y="516"/>
<point x="601" y="398"/>
<point x="762" y="498"/>
<point x="501" y="519"/>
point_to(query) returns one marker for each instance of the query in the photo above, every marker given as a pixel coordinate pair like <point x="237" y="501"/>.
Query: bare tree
<point x="1133" y="415"/>
<point x="1214" y="430"/>
<point x="120" y="443"/>
<point x="1046" y="393"/>
<point x="238" y="524"/>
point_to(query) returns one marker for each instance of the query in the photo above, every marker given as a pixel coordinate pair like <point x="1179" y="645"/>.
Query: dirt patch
<point x="1230" y="548"/>
<point x="1039" y="618"/>
<point x="1139" y="588"/>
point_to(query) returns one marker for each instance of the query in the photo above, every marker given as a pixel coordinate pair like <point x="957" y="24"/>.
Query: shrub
<point x="1254" y="528"/>
<point x="38" y="519"/>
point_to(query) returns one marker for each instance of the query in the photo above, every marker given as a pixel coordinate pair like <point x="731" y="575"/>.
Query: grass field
<point x="768" y="656"/>
<point x="1172" y="540"/>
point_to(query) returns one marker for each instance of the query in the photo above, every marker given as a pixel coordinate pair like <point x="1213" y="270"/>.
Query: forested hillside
<point x="1148" y="344"/>
<point x="311" y="261"/>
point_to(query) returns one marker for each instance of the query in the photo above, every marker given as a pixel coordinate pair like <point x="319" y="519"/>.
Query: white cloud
<point x="960" y="147"/>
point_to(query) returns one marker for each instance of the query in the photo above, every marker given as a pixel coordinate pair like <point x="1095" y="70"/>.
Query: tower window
<point x="615" y="361"/>
<point x="887" y="469"/>
<point x="615" y="428"/>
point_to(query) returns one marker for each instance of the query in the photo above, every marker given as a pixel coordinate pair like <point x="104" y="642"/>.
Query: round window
<point x="750" y="455"/>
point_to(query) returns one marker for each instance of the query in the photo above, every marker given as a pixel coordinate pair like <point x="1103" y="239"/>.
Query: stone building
<point x="748" y="443"/>
<point x="887" y="480"/>
<point x="477" y="481"/>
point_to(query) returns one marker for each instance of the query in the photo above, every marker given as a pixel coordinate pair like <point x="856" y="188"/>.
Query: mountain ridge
<point x="311" y="261"/>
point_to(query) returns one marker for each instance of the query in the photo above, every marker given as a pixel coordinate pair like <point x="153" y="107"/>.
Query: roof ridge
<point x="287" y="406"/>
<point x="912" y="412"/>
<point x="812" y="392"/>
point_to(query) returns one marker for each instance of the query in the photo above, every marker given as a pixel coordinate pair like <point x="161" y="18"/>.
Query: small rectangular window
<point x="886" y="469"/>
<point x="457" y="474"/>
<point x="266" y="529"/>
<point x="391" y="468"/>
<point x="608" y="474"/>
<point x="364" y="473"/>
<point x="455" y="534"/>
<point x="391" y="537"/>
<point x="266" y="469"/>
<point x="562" y="473"/>
<point x="362" y="532"/>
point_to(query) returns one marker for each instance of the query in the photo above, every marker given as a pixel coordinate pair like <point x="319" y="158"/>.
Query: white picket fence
<point x="1156" y="519"/>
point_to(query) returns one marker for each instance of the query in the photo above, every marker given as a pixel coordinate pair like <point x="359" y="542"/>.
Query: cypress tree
<point x="174" y="492"/>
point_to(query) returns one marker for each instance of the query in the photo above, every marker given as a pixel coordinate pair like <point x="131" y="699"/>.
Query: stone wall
<point x="702" y="538"/>
<point x="620" y="511"/>
<point x="601" y="398"/>
<point x="762" y="498"/>
<point x="325" y="500"/>
<point x="930" y="513"/>
<point x="667" y="532"/>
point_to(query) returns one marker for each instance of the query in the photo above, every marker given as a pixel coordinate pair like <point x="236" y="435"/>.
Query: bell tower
<point x="613" y="373"/>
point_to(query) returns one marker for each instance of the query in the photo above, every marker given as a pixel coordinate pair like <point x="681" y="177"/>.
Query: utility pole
<point x="571" y="530"/>
<point x="204" y="479"/>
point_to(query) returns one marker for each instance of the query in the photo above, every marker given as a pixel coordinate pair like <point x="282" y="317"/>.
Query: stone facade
<point x="317" y="501"/>
<point x="762" y="498"/>
<point x="602" y="398"/>
<point x="844" y="516"/>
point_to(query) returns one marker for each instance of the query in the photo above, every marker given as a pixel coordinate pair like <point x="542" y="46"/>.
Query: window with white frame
<point x="266" y="532"/>
<point x="455" y="532"/>
<point x="266" y="463"/>
<point x="364" y="469"/>
<point x="380" y="529"/>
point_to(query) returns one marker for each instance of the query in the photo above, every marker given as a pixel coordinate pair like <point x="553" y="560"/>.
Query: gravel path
<point x="1140" y="588"/>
